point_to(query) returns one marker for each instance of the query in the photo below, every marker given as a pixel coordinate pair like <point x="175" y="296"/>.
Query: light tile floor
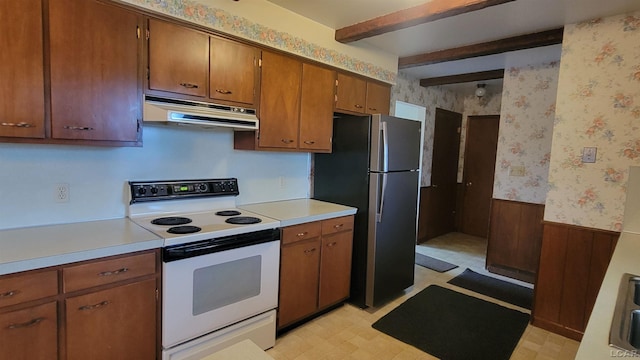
<point x="346" y="332"/>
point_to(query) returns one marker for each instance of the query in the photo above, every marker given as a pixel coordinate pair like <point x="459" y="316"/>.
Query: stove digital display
<point x="182" y="188"/>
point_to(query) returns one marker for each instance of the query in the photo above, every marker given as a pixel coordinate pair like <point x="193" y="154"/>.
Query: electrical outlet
<point x="61" y="193"/>
<point x="589" y="154"/>
<point x="516" y="170"/>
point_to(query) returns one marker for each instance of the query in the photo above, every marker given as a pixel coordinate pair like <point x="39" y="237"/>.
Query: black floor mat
<point x="433" y="263"/>
<point x="495" y="288"/>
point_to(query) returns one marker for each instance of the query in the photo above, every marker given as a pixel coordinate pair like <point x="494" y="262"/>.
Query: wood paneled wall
<point x="515" y="236"/>
<point x="573" y="261"/>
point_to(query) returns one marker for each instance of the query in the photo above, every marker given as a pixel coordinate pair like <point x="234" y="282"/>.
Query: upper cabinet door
<point x="95" y="82"/>
<point x="233" y="72"/>
<point x="316" y="108"/>
<point x="378" y="97"/>
<point x="178" y="59"/>
<point x="279" y="101"/>
<point x="352" y="93"/>
<point x="21" y="69"/>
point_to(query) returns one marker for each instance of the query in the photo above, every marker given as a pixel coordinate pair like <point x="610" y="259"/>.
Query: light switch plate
<point x="589" y="154"/>
<point x="516" y="170"/>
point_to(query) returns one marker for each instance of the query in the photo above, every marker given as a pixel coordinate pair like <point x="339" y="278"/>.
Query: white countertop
<point x="298" y="211"/>
<point x="42" y="246"/>
<point x="626" y="259"/>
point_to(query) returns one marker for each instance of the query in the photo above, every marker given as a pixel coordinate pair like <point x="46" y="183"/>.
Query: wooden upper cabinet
<point x="352" y="93"/>
<point x="178" y="59"/>
<point x="316" y="109"/>
<point x="378" y="97"/>
<point x="234" y="71"/>
<point x="21" y="70"/>
<point x="279" y="101"/>
<point x="95" y="82"/>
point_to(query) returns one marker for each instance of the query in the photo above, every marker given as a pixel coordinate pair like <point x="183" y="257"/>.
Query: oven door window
<point x="219" y="285"/>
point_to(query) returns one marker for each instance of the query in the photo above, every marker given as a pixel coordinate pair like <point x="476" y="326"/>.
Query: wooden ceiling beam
<point x="528" y="41"/>
<point x="433" y="10"/>
<point x="463" y="78"/>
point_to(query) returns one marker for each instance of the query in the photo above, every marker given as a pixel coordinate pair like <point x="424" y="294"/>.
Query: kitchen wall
<point x="598" y="105"/>
<point x="263" y="22"/>
<point x="408" y="89"/>
<point x="97" y="176"/>
<point x="526" y="128"/>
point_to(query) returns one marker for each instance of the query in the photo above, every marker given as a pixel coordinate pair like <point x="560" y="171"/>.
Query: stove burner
<point x="171" y="220"/>
<point x="188" y="229"/>
<point x="242" y="220"/>
<point x="228" y="213"/>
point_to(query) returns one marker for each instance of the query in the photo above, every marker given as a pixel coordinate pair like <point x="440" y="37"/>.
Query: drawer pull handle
<point x="332" y="244"/>
<point x="94" y="306"/>
<point x="309" y="251"/>
<point x="287" y="141"/>
<point x="225" y="92"/>
<point x="358" y="106"/>
<point x="81" y="128"/>
<point x="309" y="142"/>
<point x="302" y="234"/>
<point x="114" y="272"/>
<point x="9" y="294"/>
<point x="18" y="125"/>
<point x="29" y="323"/>
<point x="189" y="85"/>
<point x="338" y="226"/>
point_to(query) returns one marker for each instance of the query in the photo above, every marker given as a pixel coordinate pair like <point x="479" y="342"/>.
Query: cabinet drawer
<point x="335" y="225"/>
<point x="27" y="287"/>
<point x="108" y="271"/>
<point x="305" y="231"/>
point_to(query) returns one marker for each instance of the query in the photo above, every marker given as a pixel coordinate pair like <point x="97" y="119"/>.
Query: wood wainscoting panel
<point x="573" y="261"/>
<point x="515" y="236"/>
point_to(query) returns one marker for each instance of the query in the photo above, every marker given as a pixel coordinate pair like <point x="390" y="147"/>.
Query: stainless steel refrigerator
<point x="374" y="167"/>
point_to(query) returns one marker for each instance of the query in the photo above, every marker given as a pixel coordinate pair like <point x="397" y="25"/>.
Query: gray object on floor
<point x="433" y="263"/>
<point x="498" y="289"/>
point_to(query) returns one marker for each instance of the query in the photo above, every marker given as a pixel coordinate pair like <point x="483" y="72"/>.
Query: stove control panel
<point x="167" y="190"/>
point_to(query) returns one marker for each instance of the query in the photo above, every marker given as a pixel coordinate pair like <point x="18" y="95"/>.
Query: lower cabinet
<point x="315" y="268"/>
<point x="105" y="309"/>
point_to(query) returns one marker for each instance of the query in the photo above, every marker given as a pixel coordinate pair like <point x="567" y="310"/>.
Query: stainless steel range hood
<point x="186" y="112"/>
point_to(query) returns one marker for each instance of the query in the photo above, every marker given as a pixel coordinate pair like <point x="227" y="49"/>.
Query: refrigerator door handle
<point x="384" y="189"/>
<point x="385" y="147"/>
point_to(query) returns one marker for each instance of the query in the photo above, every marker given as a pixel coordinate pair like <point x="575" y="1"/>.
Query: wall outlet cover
<point x="516" y="170"/>
<point x="589" y="154"/>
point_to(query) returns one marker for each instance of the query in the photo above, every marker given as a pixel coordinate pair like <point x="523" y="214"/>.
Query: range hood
<point x="186" y="112"/>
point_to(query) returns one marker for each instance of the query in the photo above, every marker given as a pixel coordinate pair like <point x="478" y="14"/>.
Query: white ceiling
<point x="510" y="19"/>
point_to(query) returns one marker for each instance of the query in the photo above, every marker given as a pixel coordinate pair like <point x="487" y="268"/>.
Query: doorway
<point x="478" y="173"/>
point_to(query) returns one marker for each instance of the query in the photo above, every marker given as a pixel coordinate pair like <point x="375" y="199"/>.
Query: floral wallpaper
<point x="409" y="90"/>
<point x="526" y="128"/>
<point x="598" y="105"/>
<point x="219" y="19"/>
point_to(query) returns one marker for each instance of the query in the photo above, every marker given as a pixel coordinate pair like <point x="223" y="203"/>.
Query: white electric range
<point x="220" y="265"/>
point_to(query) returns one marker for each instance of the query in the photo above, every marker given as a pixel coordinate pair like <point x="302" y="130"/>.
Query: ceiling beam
<point x="433" y="10"/>
<point x="543" y="38"/>
<point x="463" y="78"/>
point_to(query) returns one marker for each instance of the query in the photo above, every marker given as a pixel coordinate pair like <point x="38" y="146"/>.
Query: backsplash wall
<point x="598" y="105"/>
<point x="97" y="175"/>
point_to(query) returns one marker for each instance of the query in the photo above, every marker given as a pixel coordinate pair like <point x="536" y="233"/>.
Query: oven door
<point x="206" y="292"/>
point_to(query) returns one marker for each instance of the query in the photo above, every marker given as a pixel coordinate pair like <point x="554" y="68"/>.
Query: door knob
<point x="469" y="183"/>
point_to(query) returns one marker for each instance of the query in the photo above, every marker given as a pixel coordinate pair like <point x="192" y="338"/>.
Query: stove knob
<point x="203" y="187"/>
<point x="142" y="191"/>
<point x="154" y="190"/>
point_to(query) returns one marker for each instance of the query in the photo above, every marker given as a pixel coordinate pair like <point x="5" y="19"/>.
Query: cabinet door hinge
<point x="139" y="125"/>
<point x="157" y="295"/>
<point x="335" y="98"/>
<point x="258" y="135"/>
<point x="137" y="32"/>
<point x="148" y="74"/>
<point x="259" y="62"/>
<point x="147" y="34"/>
<point x="336" y="82"/>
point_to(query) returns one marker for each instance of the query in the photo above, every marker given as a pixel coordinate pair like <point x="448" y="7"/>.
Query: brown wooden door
<point x="233" y="72"/>
<point x="479" y="167"/>
<point x="280" y="101"/>
<point x="30" y="333"/>
<point x="378" y="98"/>
<point x="352" y="93"/>
<point x="95" y="83"/>
<point x="21" y="72"/>
<point x="441" y="206"/>
<point x="316" y="108"/>
<point x="335" y="268"/>
<point x="299" y="271"/>
<point x="178" y="59"/>
<point x="118" y="323"/>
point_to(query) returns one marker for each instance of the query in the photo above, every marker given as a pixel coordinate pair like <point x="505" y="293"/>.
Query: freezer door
<point x="392" y="235"/>
<point x="395" y="144"/>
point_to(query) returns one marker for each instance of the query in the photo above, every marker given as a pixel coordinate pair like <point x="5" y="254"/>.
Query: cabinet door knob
<point x="302" y="234"/>
<point x="79" y="128"/>
<point x="8" y="294"/>
<point x="189" y="85"/>
<point x="309" y="142"/>
<point x="309" y="251"/>
<point x="114" y="272"/>
<point x="358" y="106"/>
<point x="29" y="323"/>
<point x="225" y="92"/>
<point x="18" y="125"/>
<point x="338" y="226"/>
<point x="287" y="141"/>
<point x="331" y="244"/>
<point x="373" y="109"/>
<point x="94" y="306"/>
